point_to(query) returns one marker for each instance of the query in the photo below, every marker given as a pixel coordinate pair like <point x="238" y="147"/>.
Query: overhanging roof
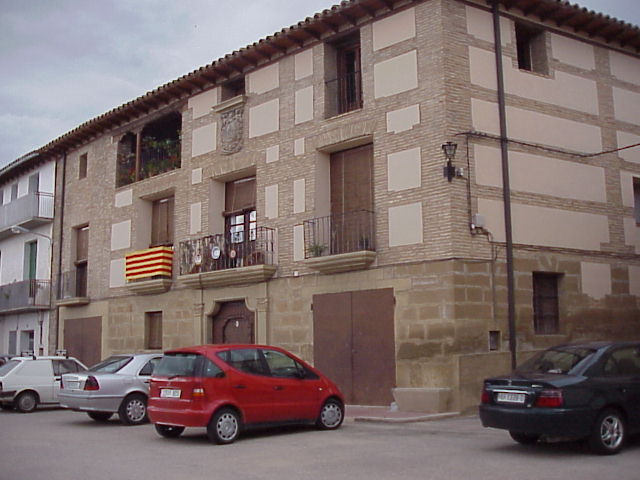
<point x="339" y="18"/>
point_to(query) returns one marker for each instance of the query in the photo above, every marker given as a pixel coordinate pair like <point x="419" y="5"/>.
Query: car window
<point x="624" y="361"/>
<point x="111" y="364"/>
<point x="246" y="360"/>
<point x="7" y="367"/>
<point x="61" y="367"/>
<point x="556" y="360"/>
<point x="281" y="365"/>
<point x="150" y="366"/>
<point x="177" y="365"/>
<point x="210" y="369"/>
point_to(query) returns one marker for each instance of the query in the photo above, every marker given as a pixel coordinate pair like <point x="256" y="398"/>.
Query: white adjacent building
<point x="26" y="220"/>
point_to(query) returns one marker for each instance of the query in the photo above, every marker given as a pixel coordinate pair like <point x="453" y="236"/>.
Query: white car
<point x="26" y="382"/>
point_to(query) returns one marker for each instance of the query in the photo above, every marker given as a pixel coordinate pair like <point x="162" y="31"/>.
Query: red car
<point x="228" y="388"/>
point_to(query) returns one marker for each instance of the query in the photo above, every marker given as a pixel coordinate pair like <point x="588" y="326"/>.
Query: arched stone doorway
<point x="233" y="323"/>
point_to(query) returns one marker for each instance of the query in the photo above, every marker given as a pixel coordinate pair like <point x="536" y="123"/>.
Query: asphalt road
<point x="56" y="444"/>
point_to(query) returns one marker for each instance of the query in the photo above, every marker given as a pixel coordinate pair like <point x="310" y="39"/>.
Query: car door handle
<point x="240" y="386"/>
<point x="278" y="387"/>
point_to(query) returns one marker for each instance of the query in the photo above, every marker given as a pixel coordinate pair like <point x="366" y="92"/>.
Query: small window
<point x="532" y="49"/>
<point x="546" y="310"/>
<point x="82" y="166"/>
<point x="153" y="330"/>
<point x="211" y="370"/>
<point x="60" y="367"/>
<point x="233" y="89"/>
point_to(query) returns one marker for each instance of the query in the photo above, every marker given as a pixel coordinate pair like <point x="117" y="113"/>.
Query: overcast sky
<point x="64" y="62"/>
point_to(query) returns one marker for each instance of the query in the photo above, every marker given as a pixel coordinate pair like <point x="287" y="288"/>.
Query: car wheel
<point x="608" y="434"/>
<point x="169" y="431"/>
<point x="133" y="410"/>
<point x="26" y="402"/>
<point x="100" y="416"/>
<point x="331" y="415"/>
<point x="524" y="438"/>
<point x="224" y="427"/>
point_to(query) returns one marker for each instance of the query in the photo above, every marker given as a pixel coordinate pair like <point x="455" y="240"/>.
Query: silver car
<point x="119" y="384"/>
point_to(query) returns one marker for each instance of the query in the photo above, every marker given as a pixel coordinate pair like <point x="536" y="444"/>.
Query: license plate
<point x="170" y="393"/>
<point x="505" y="397"/>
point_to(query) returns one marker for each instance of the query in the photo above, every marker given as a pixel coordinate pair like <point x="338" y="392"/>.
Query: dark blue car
<point x="589" y="391"/>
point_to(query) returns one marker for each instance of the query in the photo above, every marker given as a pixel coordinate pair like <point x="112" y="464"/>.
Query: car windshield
<point x="177" y="365"/>
<point x="111" y="364"/>
<point x="555" y="360"/>
<point x="7" y="367"/>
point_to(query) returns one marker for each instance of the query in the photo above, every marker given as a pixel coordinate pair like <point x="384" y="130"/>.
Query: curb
<point x="418" y="418"/>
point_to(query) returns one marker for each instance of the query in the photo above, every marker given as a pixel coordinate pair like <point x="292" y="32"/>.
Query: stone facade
<point x="423" y="83"/>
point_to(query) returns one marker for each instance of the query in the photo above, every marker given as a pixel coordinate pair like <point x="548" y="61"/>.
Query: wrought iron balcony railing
<point x="72" y="284"/>
<point x="347" y="91"/>
<point x="336" y="234"/>
<point x="26" y="295"/>
<point x="222" y="252"/>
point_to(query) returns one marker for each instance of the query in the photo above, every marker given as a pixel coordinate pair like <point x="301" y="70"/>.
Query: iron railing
<point x="336" y="234"/>
<point x="72" y="284"/>
<point x="25" y="295"/>
<point x="221" y="252"/>
<point x="36" y="205"/>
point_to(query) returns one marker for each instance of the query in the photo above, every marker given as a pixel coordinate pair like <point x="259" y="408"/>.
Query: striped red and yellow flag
<point x="152" y="262"/>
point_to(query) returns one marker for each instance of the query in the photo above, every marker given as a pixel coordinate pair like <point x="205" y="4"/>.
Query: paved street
<point x="61" y="445"/>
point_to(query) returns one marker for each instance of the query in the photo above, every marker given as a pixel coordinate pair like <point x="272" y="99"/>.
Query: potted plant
<point x="317" y="249"/>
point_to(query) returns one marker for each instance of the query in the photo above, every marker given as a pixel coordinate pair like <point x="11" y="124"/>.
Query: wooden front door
<point x="354" y="343"/>
<point x="83" y="339"/>
<point x="233" y="324"/>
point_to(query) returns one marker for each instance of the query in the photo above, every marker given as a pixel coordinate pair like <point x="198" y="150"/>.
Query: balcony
<point x="72" y="288"/>
<point x="149" y="271"/>
<point x="340" y="243"/>
<point x="221" y="260"/>
<point x="25" y="296"/>
<point x="30" y="211"/>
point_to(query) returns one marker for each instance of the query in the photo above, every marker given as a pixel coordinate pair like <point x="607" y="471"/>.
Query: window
<point x="30" y="260"/>
<point x="82" y="166"/>
<point x="636" y="199"/>
<point x="14" y="191"/>
<point x="162" y="222"/>
<point x="153" y="330"/>
<point x="13" y="342"/>
<point x="624" y="361"/>
<point x="240" y="210"/>
<point x="60" y="367"/>
<point x="545" y="303"/>
<point x="82" y="260"/>
<point x="532" y="49"/>
<point x="344" y="78"/>
<point x="150" y="367"/>
<point x="281" y="365"/>
<point x="233" y="89"/>
<point x="153" y="150"/>
<point x="246" y="360"/>
<point x="34" y="183"/>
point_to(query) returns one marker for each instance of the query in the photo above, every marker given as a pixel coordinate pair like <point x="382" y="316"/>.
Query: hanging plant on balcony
<point x="316" y="249"/>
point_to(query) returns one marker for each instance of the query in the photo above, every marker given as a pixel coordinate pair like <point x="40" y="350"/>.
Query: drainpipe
<point x="506" y="189"/>
<point x="54" y="337"/>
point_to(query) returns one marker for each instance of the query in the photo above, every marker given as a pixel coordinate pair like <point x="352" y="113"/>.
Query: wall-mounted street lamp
<point x="17" y="229"/>
<point x="449" y="150"/>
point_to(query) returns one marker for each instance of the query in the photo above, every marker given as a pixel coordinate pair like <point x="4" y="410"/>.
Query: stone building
<point x="296" y="192"/>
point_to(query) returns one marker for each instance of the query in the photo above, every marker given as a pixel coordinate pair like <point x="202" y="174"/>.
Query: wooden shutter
<point x="82" y="244"/>
<point x="162" y="222"/>
<point x="352" y="180"/>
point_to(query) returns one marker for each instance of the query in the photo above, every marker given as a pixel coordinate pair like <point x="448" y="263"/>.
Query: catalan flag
<point x="152" y="262"/>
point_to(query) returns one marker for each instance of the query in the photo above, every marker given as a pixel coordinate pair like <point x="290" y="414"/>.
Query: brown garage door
<point x="354" y="343"/>
<point x="83" y="339"/>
